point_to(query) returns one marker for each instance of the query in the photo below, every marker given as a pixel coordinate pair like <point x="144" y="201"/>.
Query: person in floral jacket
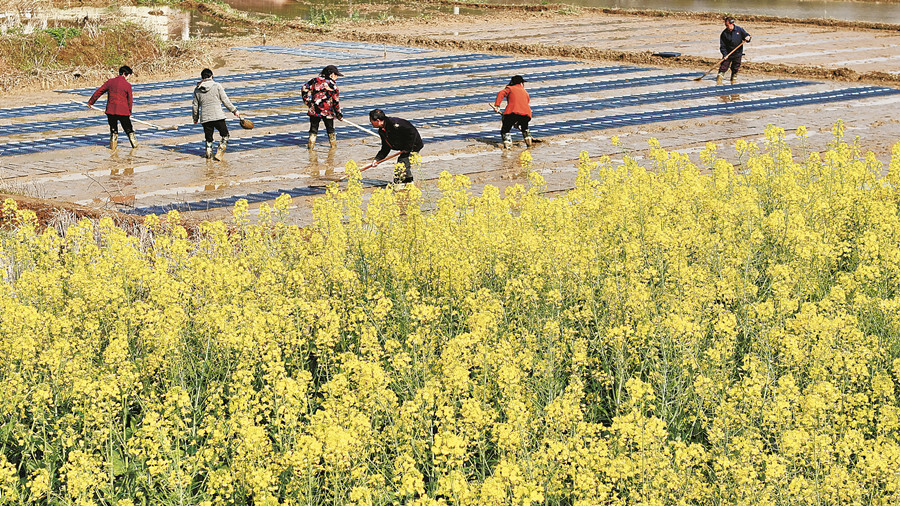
<point x="321" y="95"/>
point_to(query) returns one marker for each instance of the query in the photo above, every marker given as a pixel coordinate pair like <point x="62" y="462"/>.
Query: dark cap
<point x="729" y="19"/>
<point x="331" y="69"/>
<point x="516" y="80"/>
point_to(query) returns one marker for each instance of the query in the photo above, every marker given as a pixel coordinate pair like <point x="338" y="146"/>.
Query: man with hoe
<point x="731" y="45"/>
<point x="399" y="134"/>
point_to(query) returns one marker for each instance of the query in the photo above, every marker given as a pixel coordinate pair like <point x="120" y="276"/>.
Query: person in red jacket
<point x="517" y="112"/>
<point x="119" y="102"/>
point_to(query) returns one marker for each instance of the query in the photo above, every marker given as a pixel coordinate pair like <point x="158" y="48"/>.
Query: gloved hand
<point x="747" y="39"/>
<point x="339" y="116"/>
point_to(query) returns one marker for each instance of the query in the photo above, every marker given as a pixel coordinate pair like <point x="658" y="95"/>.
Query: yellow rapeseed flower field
<point x="661" y="334"/>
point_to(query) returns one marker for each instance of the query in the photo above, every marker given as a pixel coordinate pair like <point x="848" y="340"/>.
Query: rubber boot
<point x="133" y="140"/>
<point x="223" y="145"/>
<point x="720" y="77"/>
<point x="507" y="140"/>
<point x="332" y="138"/>
<point x="113" y="140"/>
<point x="528" y="140"/>
<point x="209" y="153"/>
<point x="734" y="78"/>
<point x="311" y="143"/>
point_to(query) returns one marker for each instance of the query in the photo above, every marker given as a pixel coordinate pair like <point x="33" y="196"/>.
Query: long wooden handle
<point x="361" y="128"/>
<point x="731" y="53"/>
<point x="395" y="155"/>
<point x="132" y="118"/>
<point x="720" y="61"/>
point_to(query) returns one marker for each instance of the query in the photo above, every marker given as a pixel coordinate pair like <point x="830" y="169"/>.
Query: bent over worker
<point x="322" y="96"/>
<point x="119" y="103"/>
<point x="517" y="112"/>
<point x="400" y="135"/>
<point x="206" y="108"/>
<point x="732" y="39"/>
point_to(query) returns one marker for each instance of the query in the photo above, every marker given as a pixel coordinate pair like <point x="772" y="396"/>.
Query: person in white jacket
<point x="209" y="96"/>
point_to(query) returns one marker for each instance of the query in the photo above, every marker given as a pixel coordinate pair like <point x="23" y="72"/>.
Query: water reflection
<point x="876" y="12"/>
<point x="729" y="98"/>
<point x="317" y="168"/>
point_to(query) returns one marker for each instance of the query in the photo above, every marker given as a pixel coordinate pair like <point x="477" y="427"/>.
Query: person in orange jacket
<point x="517" y="112"/>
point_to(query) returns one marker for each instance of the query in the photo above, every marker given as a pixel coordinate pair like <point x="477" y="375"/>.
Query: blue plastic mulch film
<point x="300" y="75"/>
<point x="348" y="96"/>
<point x="369" y="47"/>
<point x="279" y="74"/>
<point x="308" y="53"/>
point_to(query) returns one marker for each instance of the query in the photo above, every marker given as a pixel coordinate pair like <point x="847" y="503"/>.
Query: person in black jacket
<point x="398" y="134"/>
<point x="732" y="38"/>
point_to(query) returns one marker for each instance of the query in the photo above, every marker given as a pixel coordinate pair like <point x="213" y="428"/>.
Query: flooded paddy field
<point x="59" y="149"/>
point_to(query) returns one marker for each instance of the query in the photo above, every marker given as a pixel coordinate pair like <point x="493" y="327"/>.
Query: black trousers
<point x="734" y="62"/>
<point x="314" y="124"/>
<point x="511" y="119"/>
<point x="219" y="125"/>
<point x="115" y="119"/>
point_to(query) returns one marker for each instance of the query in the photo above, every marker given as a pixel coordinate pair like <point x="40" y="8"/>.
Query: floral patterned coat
<point x="322" y="96"/>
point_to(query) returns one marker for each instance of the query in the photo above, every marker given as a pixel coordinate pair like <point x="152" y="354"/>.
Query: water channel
<point x="877" y="12"/>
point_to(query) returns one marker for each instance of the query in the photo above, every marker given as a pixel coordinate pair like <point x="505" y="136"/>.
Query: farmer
<point x="398" y="134"/>
<point x="119" y="102"/>
<point x="518" y="110"/>
<point x="321" y="95"/>
<point x="732" y="38"/>
<point x="209" y="96"/>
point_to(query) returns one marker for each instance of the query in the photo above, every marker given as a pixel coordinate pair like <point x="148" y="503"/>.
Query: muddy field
<point x="827" y="58"/>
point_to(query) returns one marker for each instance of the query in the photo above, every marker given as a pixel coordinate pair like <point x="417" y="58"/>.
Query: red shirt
<point x="517" y="100"/>
<point x="119" y="101"/>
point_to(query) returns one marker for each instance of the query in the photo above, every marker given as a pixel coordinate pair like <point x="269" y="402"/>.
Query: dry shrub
<point x="56" y="58"/>
<point x="108" y="47"/>
<point x="111" y="47"/>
